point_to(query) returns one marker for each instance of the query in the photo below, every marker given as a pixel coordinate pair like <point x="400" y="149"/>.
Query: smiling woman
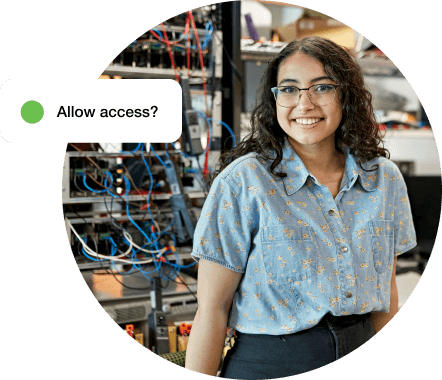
<point x="298" y="238"/>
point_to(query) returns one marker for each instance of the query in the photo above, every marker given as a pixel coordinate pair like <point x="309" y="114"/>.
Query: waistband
<point x="334" y="321"/>
<point x="330" y="321"/>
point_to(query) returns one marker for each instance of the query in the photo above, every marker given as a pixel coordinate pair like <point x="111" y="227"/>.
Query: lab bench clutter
<point x="177" y="335"/>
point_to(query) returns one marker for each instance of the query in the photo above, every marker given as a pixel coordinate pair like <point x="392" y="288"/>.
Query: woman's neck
<point x="320" y="158"/>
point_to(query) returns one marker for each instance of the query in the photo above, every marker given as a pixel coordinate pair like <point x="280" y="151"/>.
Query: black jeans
<point x="257" y="356"/>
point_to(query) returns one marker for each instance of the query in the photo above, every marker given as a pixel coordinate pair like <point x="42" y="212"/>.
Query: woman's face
<point x="307" y="124"/>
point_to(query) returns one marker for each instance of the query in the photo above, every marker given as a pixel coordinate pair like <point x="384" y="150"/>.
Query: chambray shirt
<point x="303" y="253"/>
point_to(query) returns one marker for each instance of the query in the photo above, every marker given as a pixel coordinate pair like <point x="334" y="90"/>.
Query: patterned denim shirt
<point x="303" y="253"/>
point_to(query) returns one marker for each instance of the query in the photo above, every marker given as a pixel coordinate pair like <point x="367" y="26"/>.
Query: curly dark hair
<point x="358" y="128"/>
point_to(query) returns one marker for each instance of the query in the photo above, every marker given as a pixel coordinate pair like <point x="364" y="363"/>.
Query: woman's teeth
<point x="308" y="120"/>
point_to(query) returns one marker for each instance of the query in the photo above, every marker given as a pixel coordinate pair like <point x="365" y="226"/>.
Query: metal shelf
<point x="89" y="216"/>
<point x="149" y="73"/>
<point x="118" y="154"/>
<point x="99" y="199"/>
<point x="378" y="67"/>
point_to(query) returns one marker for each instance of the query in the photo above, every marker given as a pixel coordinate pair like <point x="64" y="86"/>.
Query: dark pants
<point x="257" y="356"/>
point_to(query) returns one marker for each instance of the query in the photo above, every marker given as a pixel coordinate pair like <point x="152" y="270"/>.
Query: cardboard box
<point x="172" y="331"/>
<point x="182" y="342"/>
<point x="139" y="336"/>
<point x="317" y="26"/>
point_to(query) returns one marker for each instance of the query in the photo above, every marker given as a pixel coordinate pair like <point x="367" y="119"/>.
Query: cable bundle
<point x="129" y="256"/>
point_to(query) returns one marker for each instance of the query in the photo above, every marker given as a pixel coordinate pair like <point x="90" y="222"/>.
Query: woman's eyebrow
<point x="291" y="80"/>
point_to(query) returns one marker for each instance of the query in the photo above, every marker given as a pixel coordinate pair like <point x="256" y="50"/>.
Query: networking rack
<point x="130" y="210"/>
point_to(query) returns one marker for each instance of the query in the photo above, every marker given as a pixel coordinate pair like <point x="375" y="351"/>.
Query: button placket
<point x="344" y="269"/>
<point x="333" y="216"/>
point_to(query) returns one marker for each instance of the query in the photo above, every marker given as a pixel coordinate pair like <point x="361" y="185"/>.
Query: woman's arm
<point x="216" y="287"/>
<point x="379" y="320"/>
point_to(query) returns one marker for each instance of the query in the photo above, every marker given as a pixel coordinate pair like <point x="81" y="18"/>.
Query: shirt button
<point x="344" y="249"/>
<point x="331" y="212"/>
<point x="349" y="294"/>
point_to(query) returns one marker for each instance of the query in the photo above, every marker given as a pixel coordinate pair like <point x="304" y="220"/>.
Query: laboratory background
<point x="131" y="209"/>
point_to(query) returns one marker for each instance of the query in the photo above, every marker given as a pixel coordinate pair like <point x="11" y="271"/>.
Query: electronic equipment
<point x="184" y="219"/>
<point x="158" y="334"/>
<point x="425" y="193"/>
<point x="191" y="130"/>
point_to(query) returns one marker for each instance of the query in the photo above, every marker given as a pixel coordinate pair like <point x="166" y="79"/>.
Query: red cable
<point x="186" y="31"/>
<point x="188" y="45"/>
<point x="206" y="162"/>
<point x="201" y="59"/>
<point x="170" y="53"/>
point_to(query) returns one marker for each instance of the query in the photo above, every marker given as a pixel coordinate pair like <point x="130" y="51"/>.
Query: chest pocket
<point x="382" y="241"/>
<point x="288" y="253"/>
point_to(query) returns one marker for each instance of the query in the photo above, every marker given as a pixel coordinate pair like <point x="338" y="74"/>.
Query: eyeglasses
<point x="319" y="94"/>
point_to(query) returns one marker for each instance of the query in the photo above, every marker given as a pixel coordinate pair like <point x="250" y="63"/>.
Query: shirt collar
<point x="297" y="173"/>
<point x="291" y="164"/>
<point x="368" y="180"/>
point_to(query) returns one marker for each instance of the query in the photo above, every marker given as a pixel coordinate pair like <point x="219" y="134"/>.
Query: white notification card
<point x="128" y="110"/>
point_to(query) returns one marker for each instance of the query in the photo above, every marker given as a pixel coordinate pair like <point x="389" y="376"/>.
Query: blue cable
<point x="159" y="158"/>
<point x="89" y="188"/>
<point x="207" y="36"/>
<point x="158" y="32"/>
<point x="179" y="151"/>
<point x="209" y="120"/>
<point x="113" y="251"/>
<point x="227" y="127"/>
<point x="167" y="229"/>
<point x="107" y="188"/>
<point x="84" y="252"/>
<point x="125" y="152"/>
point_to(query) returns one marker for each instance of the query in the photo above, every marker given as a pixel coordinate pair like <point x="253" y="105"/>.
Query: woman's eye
<point x="288" y="90"/>
<point x="324" y="88"/>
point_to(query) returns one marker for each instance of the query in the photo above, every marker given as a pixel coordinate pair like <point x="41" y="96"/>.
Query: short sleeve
<point x="223" y="231"/>
<point x="404" y="232"/>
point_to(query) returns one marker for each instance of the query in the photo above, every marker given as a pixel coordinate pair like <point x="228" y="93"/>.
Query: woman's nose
<point x="304" y="102"/>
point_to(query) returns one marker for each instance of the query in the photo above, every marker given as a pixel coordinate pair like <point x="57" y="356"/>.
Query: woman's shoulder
<point x="381" y="164"/>
<point x="379" y="172"/>
<point x="242" y="165"/>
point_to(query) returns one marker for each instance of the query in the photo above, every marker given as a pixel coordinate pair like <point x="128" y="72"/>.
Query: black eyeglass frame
<point x="274" y="89"/>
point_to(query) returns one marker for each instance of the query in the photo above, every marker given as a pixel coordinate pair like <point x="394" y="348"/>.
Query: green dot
<point x="32" y="112"/>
